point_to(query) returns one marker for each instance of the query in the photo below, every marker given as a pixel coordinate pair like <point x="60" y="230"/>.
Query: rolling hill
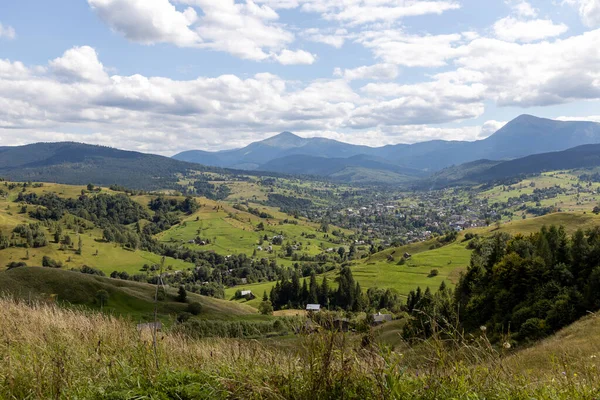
<point x="126" y="298"/>
<point x="578" y="157"/>
<point x="79" y="164"/>
<point x="523" y="136"/>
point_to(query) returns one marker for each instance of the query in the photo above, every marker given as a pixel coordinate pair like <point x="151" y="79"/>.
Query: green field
<point x="572" y="221"/>
<point x="231" y="231"/>
<point x="576" y="199"/>
<point x="448" y="260"/>
<point x="377" y="272"/>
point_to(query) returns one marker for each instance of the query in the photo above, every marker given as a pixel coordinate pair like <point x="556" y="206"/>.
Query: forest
<point x="516" y="287"/>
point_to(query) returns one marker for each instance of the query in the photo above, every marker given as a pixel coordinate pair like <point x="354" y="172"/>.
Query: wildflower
<point x="593" y="356"/>
<point x="506" y="345"/>
<point x="483" y="328"/>
<point x="575" y="375"/>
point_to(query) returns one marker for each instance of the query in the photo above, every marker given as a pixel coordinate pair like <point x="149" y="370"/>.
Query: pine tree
<point x="305" y="293"/>
<point x="313" y="295"/>
<point x="181" y="294"/>
<point x="295" y="289"/>
<point x="57" y="233"/>
<point x="324" y="293"/>
<point x="265" y="297"/>
<point x="359" y="301"/>
<point x="346" y="293"/>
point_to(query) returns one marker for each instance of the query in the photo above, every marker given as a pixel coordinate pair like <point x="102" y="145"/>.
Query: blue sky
<point x="169" y="75"/>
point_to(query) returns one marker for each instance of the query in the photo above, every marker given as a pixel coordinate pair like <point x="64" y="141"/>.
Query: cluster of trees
<point x="259" y="213"/>
<point x="102" y="209"/>
<point x="30" y="235"/>
<point x="165" y="205"/>
<point x="202" y="187"/>
<point x="289" y="204"/>
<point x="528" y="285"/>
<point x="288" y="292"/>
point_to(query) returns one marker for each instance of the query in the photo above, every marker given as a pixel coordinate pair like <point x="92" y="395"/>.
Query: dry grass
<point x="47" y="352"/>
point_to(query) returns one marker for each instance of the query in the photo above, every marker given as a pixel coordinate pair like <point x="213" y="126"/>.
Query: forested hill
<point x="78" y="164"/>
<point x="578" y="157"/>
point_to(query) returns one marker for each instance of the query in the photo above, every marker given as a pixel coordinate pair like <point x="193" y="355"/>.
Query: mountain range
<point x="521" y="147"/>
<point x="289" y="153"/>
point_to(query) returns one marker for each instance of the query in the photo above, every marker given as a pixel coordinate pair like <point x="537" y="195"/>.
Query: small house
<point x="313" y="307"/>
<point x="246" y="293"/>
<point x="380" y="318"/>
<point x="244" y="281"/>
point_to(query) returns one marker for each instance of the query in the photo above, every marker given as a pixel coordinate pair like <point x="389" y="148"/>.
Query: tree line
<point x="522" y="287"/>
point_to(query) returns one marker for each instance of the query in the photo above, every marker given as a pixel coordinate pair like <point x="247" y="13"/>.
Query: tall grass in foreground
<point x="52" y="353"/>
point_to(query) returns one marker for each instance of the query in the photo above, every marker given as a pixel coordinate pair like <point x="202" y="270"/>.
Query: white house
<point x="313" y="307"/>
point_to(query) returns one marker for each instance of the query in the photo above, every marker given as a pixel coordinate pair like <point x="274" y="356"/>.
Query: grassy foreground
<point x="53" y="353"/>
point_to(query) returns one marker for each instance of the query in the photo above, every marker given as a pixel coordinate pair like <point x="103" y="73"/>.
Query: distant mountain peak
<point x="287" y="135"/>
<point x="284" y="140"/>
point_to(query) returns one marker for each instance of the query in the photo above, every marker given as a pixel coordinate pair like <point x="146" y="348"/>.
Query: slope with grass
<point x="90" y="355"/>
<point x="572" y="221"/>
<point x="233" y="231"/>
<point x="126" y="298"/>
<point x="378" y="272"/>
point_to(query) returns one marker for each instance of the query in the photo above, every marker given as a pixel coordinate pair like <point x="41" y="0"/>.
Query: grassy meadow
<point x="67" y="353"/>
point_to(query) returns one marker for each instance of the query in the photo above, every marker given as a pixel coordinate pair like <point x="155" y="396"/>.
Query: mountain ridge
<point x="523" y="136"/>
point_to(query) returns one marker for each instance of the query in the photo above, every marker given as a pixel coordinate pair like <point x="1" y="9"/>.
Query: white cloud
<point x="515" y="30"/>
<point x="534" y="74"/>
<point x="423" y="103"/>
<point x="335" y="38"/>
<point x="589" y="11"/>
<point x="148" y="21"/>
<point x="73" y="93"/>
<point x="356" y="12"/>
<point x="522" y="8"/>
<point x="371" y="72"/>
<point x="490" y="127"/>
<point x="7" y="32"/>
<point x="397" y="47"/>
<point x="246" y="30"/>
<point x="288" y="57"/>
<point x="79" y="63"/>
<point x="592" y="118"/>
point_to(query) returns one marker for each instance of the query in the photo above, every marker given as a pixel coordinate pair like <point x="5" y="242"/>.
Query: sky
<point x="164" y="76"/>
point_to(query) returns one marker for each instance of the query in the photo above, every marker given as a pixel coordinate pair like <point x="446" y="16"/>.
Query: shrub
<point x="533" y="328"/>
<point x="183" y="317"/>
<point x="15" y="264"/>
<point x="266" y="308"/>
<point x="194" y="308"/>
<point x="433" y="273"/>
<point x="50" y="263"/>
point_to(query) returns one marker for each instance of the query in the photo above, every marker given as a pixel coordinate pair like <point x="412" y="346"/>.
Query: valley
<point x="216" y="255"/>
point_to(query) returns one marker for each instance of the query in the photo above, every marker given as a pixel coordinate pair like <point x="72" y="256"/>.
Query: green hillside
<point x="126" y="298"/>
